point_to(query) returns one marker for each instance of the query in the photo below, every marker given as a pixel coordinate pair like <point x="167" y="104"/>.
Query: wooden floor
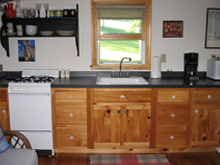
<point x="194" y="158"/>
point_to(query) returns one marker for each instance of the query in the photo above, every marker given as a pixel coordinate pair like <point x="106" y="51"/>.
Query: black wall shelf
<point x="44" y="24"/>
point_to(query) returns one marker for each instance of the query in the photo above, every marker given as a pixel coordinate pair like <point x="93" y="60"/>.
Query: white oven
<point x="30" y="108"/>
<point x="31" y="115"/>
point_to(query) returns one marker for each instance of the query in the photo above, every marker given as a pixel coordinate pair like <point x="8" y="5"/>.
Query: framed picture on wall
<point x="172" y="29"/>
<point x="212" y="38"/>
<point x="26" y="50"/>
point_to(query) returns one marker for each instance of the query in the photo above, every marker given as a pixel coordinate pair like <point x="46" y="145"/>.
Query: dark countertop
<point x="88" y="80"/>
<point x="3" y="83"/>
<point x="5" y="78"/>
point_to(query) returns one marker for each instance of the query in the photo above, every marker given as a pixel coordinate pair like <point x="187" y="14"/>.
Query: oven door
<point x="30" y="112"/>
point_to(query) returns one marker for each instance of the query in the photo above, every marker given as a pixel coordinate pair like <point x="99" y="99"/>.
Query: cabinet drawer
<point x="3" y="95"/>
<point x="71" y="136"/>
<point x="207" y="96"/>
<point x="109" y="96"/>
<point x="173" y="115"/>
<point x="71" y="114"/>
<point x="171" y="136"/>
<point x="71" y="96"/>
<point x="173" y="96"/>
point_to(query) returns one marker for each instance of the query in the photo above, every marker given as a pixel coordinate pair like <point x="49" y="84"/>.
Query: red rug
<point x="148" y="159"/>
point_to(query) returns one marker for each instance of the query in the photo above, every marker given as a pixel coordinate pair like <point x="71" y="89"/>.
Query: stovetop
<point x="35" y="79"/>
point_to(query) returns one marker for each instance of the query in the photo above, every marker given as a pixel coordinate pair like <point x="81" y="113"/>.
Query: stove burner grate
<point x="35" y="79"/>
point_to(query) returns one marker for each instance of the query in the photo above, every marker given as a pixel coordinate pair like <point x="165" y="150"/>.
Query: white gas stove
<point x="30" y="107"/>
<point x="34" y="81"/>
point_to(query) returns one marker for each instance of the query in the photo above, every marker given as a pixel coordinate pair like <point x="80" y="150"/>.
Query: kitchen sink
<point x="132" y="80"/>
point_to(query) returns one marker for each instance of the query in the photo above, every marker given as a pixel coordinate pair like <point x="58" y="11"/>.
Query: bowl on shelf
<point x="46" y="33"/>
<point x="31" y="30"/>
<point x="65" y="32"/>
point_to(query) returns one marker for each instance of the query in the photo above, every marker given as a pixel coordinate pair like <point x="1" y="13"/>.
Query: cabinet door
<point x="136" y="125"/>
<point x="206" y="125"/>
<point x="107" y="125"/>
<point x="4" y="114"/>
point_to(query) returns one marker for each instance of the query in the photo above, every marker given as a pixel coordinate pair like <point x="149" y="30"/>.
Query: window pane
<point x="120" y="26"/>
<point x="115" y="50"/>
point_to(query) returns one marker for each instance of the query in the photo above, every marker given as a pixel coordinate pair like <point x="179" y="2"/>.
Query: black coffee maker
<point x="191" y="66"/>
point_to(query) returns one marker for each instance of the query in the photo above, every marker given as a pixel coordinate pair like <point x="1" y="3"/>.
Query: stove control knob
<point x="20" y="89"/>
<point x="14" y="89"/>
<point x="28" y="90"/>
<point x="36" y="89"/>
<point x="42" y="89"/>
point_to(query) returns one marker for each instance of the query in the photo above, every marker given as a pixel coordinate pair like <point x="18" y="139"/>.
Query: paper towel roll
<point x="156" y="67"/>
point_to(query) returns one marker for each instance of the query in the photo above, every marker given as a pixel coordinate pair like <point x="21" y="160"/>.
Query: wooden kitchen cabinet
<point x="173" y="114"/>
<point x="206" y="115"/>
<point x="121" y="118"/>
<point x="69" y="118"/>
<point x="135" y="120"/>
<point x="4" y="117"/>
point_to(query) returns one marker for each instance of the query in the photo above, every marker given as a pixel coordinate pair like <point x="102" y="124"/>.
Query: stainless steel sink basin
<point x="132" y="80"/>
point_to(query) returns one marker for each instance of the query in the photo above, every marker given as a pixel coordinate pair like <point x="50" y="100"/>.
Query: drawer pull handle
<point x="122" y="97"/>
<point x="70" y="96"/>
<point x="71" y="115"/>
<point x="196" y="111"/>
<point x="71" y="137"/>
<point x="173" y="96"/>
<point x="209" y="96"/>
<point x="173" y="115"/>
<point x="171" y="137"/>
<point x="3" y="111"/>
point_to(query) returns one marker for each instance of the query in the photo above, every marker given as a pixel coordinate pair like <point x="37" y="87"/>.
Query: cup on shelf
<point x="10" y="30"/>
<point x="9" y="24"/>
<point x="25" y="12"/>
<point x="38" y="8"/>
<point x="19" y="30"/>
<point x="46" y="8"/>
<point x="32" y="12"/>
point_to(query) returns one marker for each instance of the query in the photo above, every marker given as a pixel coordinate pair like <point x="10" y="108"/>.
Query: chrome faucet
<point x="121" y="63"/>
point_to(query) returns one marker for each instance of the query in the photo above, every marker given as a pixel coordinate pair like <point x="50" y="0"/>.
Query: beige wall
<point x="60" y="53"/>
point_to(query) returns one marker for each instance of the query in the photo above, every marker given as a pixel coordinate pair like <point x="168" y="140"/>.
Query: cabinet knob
<point x="122" y="97"/>
<point x="209" y="96"/>
<point x="196" y="111"/>
<point x="3" y="111"/>
<point x="70" y="115"/>
<point x="70" y="96"/>
<point x="118" y="111"/>
<point x="71" y="137"/>
<point x="126" y="111"/>
<point x="173" y="115"/>
<point x="171" y="137"/>
<point x="173" y="96"/>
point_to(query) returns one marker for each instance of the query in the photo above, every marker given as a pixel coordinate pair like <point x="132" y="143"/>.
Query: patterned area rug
<point x="148" y="159"/>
